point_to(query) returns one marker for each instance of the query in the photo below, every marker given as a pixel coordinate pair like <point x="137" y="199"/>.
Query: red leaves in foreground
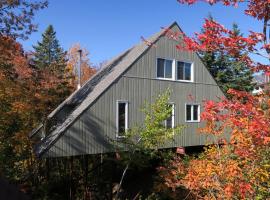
<point x="217" y="38"/>
<point x="235" y="165"/>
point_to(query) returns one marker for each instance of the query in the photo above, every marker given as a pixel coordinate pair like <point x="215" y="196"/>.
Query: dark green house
<point x="110" y="101"/>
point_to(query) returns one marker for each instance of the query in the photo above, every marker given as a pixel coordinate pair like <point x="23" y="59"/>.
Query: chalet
<point x="109" y="103"/>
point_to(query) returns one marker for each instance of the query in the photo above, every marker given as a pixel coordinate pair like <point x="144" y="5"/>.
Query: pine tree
<point x="227" y="71"/>
<point x="50" y="63"/>
<point x="49" y="54"/>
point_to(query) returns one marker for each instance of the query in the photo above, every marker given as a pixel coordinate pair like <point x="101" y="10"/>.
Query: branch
<point x="125" y="170"/>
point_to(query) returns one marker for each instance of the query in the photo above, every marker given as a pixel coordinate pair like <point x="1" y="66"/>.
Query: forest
<point x="34" y="83"/>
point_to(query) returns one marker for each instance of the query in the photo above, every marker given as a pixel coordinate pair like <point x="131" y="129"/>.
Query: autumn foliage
<point x="235" y="164"/>
<point x="87" y="68"/>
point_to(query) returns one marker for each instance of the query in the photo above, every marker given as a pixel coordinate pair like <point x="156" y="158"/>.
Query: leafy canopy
<point x="17" y="16"/>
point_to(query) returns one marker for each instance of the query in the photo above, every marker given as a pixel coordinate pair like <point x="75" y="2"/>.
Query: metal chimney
<point x="79" y="69"/>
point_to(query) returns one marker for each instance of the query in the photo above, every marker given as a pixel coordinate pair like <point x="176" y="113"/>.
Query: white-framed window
<point x="184" y="71"/>
<point x="164" y="68"/>
<point x="171" y="69"/>
<point x="121" y="117"/>
<point x="169" y="122"/>
<point x="192" y="112"/>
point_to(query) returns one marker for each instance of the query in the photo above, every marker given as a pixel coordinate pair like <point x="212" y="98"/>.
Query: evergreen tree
<point x="227" y="71"/>
<point x="48" y="53"/>
<point x="51" y="63"/>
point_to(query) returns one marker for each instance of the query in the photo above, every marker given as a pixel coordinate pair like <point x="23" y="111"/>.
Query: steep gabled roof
<point x="68" y="111"/>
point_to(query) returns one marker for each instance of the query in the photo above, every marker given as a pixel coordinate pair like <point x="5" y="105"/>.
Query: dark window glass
<point x="168" y="69"/>
<point x="169" y="121"/>
<point x="195" y="112"/>
<point x="187" y="71"/>
<point x="180" y="71"/>
<point x="160" y="68"/>
<point x="188" y="112"/>
<point x="121" y="118"/>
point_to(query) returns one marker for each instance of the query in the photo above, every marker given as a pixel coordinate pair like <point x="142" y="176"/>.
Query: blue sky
<point x="106" y="28"/>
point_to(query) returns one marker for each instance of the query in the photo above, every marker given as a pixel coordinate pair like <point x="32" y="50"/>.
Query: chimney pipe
<point x="79" y="69"/>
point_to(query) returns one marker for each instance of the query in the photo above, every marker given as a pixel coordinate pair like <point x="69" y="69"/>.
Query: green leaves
<point x="153" y="134"/>
<point x="49" y="54"/>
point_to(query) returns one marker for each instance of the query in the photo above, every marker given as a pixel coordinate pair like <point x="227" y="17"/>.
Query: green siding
<point x="90" y="133"/>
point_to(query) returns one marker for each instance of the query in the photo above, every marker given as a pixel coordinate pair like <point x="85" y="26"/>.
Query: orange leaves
<point x="87" y="70"/>
<point x="237" y="169"/>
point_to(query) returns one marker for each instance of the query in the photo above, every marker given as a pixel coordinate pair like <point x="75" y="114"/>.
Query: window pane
<point x="169" y="123"/>
<point x="187" y="71"/>
<point x="188" y="112"/>
<point x="195" y="112"/>
<point x="160" y="68"/>
<point x="121" y="117"/>
<point x="168" y="69"/>
<point x="180" y="71"/>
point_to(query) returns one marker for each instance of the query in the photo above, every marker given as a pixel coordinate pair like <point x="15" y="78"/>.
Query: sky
<point x="107" y="28"/>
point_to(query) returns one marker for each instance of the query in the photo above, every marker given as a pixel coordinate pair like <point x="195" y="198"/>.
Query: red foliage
<point x="217" y="37"/>
<point x="236" y="163"/>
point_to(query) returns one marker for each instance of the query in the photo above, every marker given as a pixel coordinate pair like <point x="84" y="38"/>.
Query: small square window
<point x="164" y="68"/>
<point x="183" y="71"/>
<point x="192" y="112"/>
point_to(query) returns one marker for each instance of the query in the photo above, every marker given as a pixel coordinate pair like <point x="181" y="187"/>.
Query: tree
<point x="234" y="168"/>
<point x="227" y="71"/>
<point x="49" y="61"/>
<point x="17" y="16"/>
<point x="87" y="69"/>
<point x="48" y="53"/>
<point x="236" y="164"/>
<point x="142" y="142"/>
<point x="17" y="112"/>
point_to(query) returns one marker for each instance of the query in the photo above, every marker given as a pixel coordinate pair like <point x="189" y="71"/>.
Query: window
<point x="184" y="71"/>
<point x="122" y="118"/>
<point x="192" y="113"/>
<point x="169" y="122"/>
<point x="174" y="70"/>
<point x="164" y="68"/>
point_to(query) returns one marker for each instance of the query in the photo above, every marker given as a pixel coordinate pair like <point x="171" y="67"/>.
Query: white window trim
<point x="191" y="71"/>
<point x="173" y="115"/>
<point x="117" y="117"/>
<point x="174" y="70"/>
<point x="199" y="112"/>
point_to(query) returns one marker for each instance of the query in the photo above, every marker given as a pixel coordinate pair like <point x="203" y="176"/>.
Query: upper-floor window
<point x="169" y="122"/>
<point x="121" y="118"/>
<point x="192" y="113"/>
<point x="174" y="70"/>
<point x="164" y="68"/>
<point x="183" y="71"/>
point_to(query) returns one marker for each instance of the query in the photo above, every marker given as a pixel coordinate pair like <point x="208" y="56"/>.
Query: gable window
<point x="121" y="118"/>
<point x="164" y="68"/>
<point x="184" y="71"/>
<point x="192" y="113"/>
<point x="169" y="122"/>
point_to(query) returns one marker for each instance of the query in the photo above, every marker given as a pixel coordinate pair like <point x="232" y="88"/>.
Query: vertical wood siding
<point x="93" y="130"/>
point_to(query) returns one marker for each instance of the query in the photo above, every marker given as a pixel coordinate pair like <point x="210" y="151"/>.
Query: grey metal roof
<point x="81" y="99"/>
